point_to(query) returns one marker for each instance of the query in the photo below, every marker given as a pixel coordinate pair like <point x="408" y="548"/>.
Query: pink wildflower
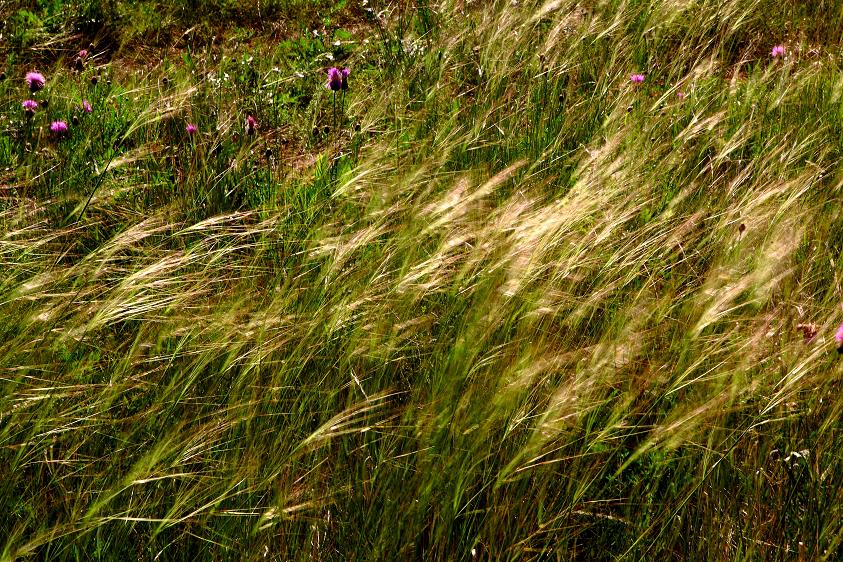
<point x="344" y="73"/>
<point x="838" y="337"/>
<point x="59" y="128"/>
<point x="680" y="95"/>
<point x="35" y="80"/>
<point x="334" y="79"/>
<point x="191" y="129"/>
<point x="251" y="125"/>
<point x="778" y="51"/>
<point x="83" y="54"/>
<point x="636" y="78"/>
<point x="86" y="107"/>
<point x="29" y="106"/>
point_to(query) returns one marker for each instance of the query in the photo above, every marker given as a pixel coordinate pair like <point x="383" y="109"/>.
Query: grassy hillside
<point x="498" y="300"/>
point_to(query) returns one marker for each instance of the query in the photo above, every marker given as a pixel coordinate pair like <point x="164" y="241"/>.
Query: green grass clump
<point x="495" y="302"/>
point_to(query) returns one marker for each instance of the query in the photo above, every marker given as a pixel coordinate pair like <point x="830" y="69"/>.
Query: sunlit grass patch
<point x="531" y="280"/>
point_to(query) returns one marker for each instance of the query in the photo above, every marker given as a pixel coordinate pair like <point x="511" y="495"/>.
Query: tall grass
<point x="514" y="307"/>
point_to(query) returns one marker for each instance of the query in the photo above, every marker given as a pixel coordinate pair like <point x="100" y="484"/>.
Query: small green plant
<point x="23" y="29"/>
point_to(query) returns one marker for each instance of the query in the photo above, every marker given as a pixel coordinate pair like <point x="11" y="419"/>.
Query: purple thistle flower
<point x="83" y="54"/>
<point x="680" y="95"/>
<point x="838" y="336"/>
<point x="86" y="107"/>
<point x="636" y="78"/>
<point x="335" y="79"/>
<point x="344" y="73"/>
<point x="251" y="125"/>
<point x="191" y="129"/>
<point x="35" y="80"/>
<point x="778" y="51"/>
<point x="29" y="107"/>
<point x="59" y="128"/>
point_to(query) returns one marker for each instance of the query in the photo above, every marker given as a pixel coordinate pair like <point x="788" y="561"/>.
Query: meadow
<point x="530" y="280"/>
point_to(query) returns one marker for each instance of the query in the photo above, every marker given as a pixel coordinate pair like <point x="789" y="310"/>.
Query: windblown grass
<point x="514" y="306"/>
